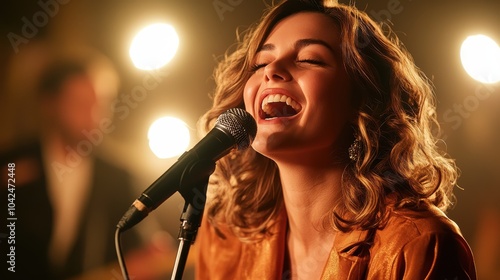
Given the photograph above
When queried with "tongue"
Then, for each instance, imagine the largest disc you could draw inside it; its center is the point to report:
(280, 109)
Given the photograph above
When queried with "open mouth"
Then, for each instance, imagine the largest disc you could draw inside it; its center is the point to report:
(278, 106)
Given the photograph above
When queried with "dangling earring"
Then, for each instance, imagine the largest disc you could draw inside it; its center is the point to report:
(355, 148)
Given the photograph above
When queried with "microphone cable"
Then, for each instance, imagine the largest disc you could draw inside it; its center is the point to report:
(119, 254)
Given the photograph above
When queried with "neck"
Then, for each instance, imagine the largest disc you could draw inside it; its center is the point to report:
(59, 145)
(310, 190)
(55, 142)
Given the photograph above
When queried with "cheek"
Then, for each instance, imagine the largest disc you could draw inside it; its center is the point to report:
(331, 101)
(249, 95)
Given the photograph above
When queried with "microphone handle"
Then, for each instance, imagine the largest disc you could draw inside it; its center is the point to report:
(191, 168)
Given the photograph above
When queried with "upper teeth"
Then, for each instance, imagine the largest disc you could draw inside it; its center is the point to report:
(279, 98)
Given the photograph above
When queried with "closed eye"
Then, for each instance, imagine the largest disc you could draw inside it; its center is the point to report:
(311, 61)
(257, 66)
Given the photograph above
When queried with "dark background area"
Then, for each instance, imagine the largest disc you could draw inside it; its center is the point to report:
(431, 30)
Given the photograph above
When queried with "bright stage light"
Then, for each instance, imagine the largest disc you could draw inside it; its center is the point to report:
(168, 137)
(480, 57)
(154, 46)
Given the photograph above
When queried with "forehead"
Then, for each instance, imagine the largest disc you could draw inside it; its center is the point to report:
(302, 25)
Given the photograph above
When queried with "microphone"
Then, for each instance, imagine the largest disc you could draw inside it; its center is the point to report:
(234, 128)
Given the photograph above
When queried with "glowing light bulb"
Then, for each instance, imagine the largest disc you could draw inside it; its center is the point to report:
(168, 137)
(480, 57)
(154, 46)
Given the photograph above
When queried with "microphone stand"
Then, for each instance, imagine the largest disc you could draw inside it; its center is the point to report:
(195, 198)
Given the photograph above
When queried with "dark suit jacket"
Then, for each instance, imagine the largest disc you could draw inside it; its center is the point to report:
(110, 196)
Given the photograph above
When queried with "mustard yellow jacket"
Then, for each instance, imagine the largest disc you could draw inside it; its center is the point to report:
(412, 245)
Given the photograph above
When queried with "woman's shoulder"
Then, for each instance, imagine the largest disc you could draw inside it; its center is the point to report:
(423, 243)
(417, 222)
(405, 227)
(222, 254)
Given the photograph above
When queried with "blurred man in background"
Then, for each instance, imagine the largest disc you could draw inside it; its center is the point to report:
(68, 198)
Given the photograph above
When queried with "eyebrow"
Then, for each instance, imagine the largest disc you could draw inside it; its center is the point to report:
(299, 44)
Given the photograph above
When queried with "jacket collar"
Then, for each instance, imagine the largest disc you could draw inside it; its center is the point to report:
(349, 255)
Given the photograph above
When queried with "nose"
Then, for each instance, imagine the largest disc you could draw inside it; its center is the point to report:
(276, 71)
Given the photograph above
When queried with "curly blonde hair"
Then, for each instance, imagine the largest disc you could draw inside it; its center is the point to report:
(395, 121)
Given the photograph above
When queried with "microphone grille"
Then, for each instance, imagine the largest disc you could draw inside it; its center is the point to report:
(240, 124)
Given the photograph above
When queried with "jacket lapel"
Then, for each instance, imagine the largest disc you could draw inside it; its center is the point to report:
(349, 256)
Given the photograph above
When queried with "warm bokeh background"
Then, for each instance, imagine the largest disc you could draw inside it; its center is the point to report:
(431, 30)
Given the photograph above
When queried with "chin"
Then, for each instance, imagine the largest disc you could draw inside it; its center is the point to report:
(271, 145)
